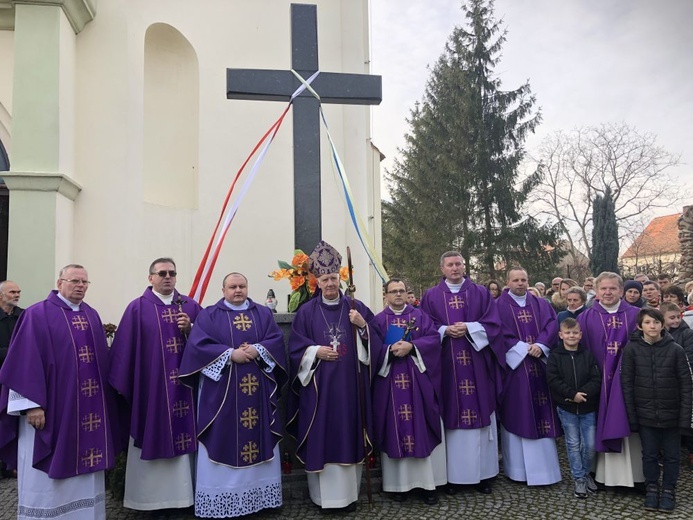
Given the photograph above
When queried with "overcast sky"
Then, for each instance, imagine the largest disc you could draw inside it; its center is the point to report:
(588, 62)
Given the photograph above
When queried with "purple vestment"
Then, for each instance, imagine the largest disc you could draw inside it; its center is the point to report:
(238, 420)
(606, 335)
(324, 416)
(58, 358)
(145, 356)
(526, 407)
(407, 422)
(471, 379)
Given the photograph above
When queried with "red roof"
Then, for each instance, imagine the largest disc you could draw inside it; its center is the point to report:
(661, 236)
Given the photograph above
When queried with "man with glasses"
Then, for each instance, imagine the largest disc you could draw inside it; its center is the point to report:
(467, 321)
(57, 409)
(407, 426)
(145, 357)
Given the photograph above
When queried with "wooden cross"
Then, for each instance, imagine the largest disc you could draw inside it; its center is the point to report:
(170, 315)
(544, 427)
(181, 409)
(467, 387)
(249, 418)
(250, 452)
(524, 316)
(249, 384)
(405, 412)
(80, 323)
(90, 388)
(91, 457)
(91, 422)
(612, 347)
(242, 322)
(399, 322)
(456, 302)
(534, 370)
(174, 345)
(408, 444)
(173, 376)
(468, 416)
(614, 322)
(463, 358)
(541, 398)
(402, 381)
(86, 355)
(183, 440)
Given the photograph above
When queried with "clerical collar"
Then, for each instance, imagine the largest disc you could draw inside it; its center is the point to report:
(331, 302)
(520, 300)
(611, 308)
(454, 287)
(165, 298)
(243, 306)
(73, 306)
(397, 312)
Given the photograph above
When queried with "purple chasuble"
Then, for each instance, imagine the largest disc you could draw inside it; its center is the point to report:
(145, 356)
(325, 416)
(238, 421)
(606, 335)
(527, 409)
(407, 422)
(58, 359)
(471, 379)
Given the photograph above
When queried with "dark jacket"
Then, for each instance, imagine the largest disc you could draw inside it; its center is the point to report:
(656, 381)
(7, 323)
(683, 335)
(570, 314)
(569, 372)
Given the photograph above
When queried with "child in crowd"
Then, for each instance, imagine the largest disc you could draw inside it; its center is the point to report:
(574, 381)
(658, 393)
(674, 294)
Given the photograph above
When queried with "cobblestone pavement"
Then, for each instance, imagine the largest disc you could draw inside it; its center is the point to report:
(509, 501)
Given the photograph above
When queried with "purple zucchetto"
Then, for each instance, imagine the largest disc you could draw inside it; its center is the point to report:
(324, 259)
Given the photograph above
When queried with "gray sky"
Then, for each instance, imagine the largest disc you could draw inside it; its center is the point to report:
(588, 62)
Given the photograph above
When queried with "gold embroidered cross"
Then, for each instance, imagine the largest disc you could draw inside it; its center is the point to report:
(181, 409)
(91, 457)
(174, 345)
(86, 355)
(80, 323)
(249, 418)
(463, 358)
(614, 323)
(402, 381)
(468, 416)
(173, 376)
(242, 322)
(399, 322)
(467, 387)
(524, 316)
(91, 422)
(544, 427)
(529, 339)
(169, 315)
(90, 388)
(249, 384)
(541, 398)
(405, 412)
(456, 302)
(534, 370)
(408, 444)
(612, 347)
(183, 440)
(249, 452)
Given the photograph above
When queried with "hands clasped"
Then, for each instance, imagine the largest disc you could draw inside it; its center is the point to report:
(401, 348)
(456, 330)
(244, 354)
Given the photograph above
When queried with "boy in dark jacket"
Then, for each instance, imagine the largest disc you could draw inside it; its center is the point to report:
(657, 390)
(574, 381)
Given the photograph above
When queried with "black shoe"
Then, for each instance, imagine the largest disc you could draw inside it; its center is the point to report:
(450, 489)
(484, 487)
(430, 498)
(398, 497)
(351, 508)
(667, 502)
(652, 498)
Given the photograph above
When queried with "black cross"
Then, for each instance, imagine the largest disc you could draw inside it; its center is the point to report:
(279, 85)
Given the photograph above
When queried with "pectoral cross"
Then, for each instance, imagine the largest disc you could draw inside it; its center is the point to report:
(402, 381)
(334, 343)
(614, 323)
(612, 347)
(91, 457)
(91, 422)
(463, 358)
(242, 322)
(524, 316)
(408, 444)
(467, 387)
(80, 323)
(405, 412)
(86, 355)
(174, 345)
(544, 427)
(183, 440)
(90, 388)
(456, 302)
(541, 398)
(249, 418)
(250, 452)
(181, 409)
(249, 384)
(468, 416)
(169, 315)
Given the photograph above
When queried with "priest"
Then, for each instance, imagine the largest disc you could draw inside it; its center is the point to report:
(145, 356)
(57, 411)
(406, 396)
(236, 359)
(330, 357)
(466, 318)
(528, 417)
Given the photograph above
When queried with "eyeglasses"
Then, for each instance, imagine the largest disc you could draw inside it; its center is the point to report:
(76, 282)
(163, 274)
(396, 291)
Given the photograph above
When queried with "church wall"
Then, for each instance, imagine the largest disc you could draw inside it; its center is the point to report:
(6, 80)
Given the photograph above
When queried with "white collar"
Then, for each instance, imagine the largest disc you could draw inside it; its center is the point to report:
(520, 300)
(243, 306)
(165, 298)
(73, 306)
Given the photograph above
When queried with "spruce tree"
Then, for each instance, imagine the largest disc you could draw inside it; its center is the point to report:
(604, 234)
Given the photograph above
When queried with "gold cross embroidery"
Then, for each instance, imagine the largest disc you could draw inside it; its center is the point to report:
(249, 418)
(169, 315)
(86, 355)
(524, 316)
(534, 370)
(468, 416)
(174, 345)
(463, 358)
(529, 339)
(402, 381)
(242, 322)
(173, 376)
(612, 347)
(467, 387)
(91, 457)
(249, 384)
(544, 427)
(408, 444)
(249, 452)
(399, 322)
(405, 412)
(541, 398)
(91, 422)
(90, 388)
(80, 323)
(181, 409)
(614, 323)
(456, 302)
(183, 440)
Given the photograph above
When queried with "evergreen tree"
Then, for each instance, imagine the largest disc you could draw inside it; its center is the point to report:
(457, 185)
(604, 234)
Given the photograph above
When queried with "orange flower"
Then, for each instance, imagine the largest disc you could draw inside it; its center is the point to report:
(279, 274)
(312, 283)
(344, 273)
(297, 281)
(300, 261)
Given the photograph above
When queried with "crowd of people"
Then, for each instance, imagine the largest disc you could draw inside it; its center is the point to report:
(437, 387)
